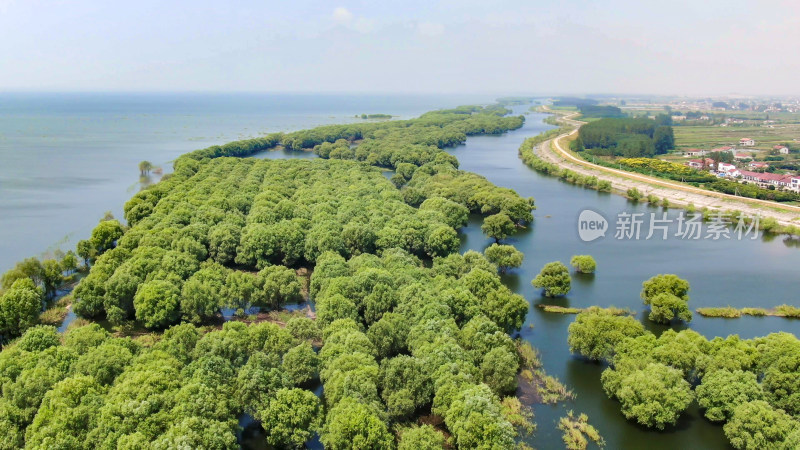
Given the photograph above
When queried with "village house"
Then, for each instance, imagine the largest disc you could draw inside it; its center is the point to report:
(757, 165)
(742, 156)
(708, 163)
(723, 149)
(795, 183)
(724, 167)
(694, 152)
(766, 178)
(747, 142)
(782, 149)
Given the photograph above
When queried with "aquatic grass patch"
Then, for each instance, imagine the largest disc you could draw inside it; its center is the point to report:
(545, 388)
(560, 309)
(576, 430)
(727, 312)
(787, 311)
(613, 310)
(55, 314)
(730, 312)
(755, 311)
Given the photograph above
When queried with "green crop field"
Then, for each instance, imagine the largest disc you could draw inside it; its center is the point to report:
(716, 136)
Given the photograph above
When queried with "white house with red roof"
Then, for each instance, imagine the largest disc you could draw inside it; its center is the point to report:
(766, 178)
(742, 156)
(782, 149)
(747, 142)
(724, 167)
(757, 165)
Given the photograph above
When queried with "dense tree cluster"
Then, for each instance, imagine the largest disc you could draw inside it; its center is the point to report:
(591, 111)
(626, 137)
(400, 338)
(193, 234)
(750, 385)
(92, 390)
(27, 287)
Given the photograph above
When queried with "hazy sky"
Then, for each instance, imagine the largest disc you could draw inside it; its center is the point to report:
(692, 47)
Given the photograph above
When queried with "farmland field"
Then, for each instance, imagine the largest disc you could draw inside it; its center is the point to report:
(716, 136)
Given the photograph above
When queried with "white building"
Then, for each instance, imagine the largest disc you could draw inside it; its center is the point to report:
(795, 183)
(692, 152)
(725, 167)
(747, 142)
(782, 149)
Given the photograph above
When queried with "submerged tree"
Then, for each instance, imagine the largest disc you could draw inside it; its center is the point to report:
(668, 298)
(504, 256)
(583, 263)
(554, 279)
(498, 226)
(145, 167)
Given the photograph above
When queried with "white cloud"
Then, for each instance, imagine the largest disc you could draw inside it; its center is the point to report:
(342, 16)
(430, 29)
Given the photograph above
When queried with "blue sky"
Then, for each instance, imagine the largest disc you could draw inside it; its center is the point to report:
(678, 47)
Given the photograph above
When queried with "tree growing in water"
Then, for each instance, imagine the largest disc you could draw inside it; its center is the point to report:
(145, 167)
(668, 298)
(583, 263)
(504, 256)
(554, 279)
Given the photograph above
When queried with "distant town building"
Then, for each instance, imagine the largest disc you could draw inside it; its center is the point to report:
(782, 149)
(693, 152)
(757, 165)
(742, 156)
(747, 142)
(701, 163)
(723, 149)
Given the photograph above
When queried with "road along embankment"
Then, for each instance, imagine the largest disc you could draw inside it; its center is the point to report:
(555, 151)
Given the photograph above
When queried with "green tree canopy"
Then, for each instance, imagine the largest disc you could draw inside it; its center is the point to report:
(19, 307)
(583, 263)
(498, 226)
(291, 417)
(595, 333)
(757, 425)
(723, 391)
(654, 396)
(554, 279)
(504, 256)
